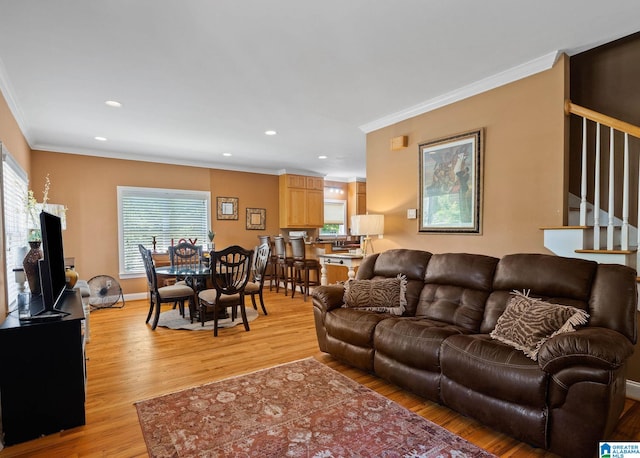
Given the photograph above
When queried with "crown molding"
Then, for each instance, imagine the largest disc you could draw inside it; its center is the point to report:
(154, 159)
(518, 72)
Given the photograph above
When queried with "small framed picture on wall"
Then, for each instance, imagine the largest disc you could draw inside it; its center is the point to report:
(227, 207)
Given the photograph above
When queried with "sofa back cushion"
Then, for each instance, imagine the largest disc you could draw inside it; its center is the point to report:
(456, 289)
(410, 263)
(551, 278)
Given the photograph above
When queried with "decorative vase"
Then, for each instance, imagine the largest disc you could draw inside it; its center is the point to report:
(71, 276)
(31, 268)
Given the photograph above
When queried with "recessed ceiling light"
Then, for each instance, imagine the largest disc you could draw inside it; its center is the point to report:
(227, 154)
(113, 103)
(270, 132)
(101, 139)
(322, 157)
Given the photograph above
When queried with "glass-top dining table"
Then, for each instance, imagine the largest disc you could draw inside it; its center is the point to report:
(195, 276)
(196, 271)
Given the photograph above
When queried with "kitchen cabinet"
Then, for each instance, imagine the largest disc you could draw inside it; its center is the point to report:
(356, 199)
(301, 201)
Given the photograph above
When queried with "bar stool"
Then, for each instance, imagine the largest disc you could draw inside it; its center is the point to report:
(302, 264)
(284, 264)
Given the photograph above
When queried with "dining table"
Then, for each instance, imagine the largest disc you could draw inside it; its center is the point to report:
(195, 275)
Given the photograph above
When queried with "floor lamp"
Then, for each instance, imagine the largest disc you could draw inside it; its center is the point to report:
(365, 226)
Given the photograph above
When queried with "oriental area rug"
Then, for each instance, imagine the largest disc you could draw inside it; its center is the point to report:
(299, 409)
(173, 320)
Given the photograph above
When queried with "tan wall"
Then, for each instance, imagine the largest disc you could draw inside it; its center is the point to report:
(524, 157)
(87, 186)
(253, 190)
(11, 136)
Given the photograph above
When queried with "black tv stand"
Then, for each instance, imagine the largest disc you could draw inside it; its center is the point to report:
(42, 381)
(45, 314)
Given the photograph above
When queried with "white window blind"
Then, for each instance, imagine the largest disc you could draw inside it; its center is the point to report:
(334, 212)
(166, 214)
(335, 215)
(14, 180)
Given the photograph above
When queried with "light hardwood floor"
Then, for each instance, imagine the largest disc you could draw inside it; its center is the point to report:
(128, 362)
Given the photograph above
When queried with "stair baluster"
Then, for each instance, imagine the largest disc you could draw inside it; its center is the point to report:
(596, 193)
(611, 208)
(618, 232)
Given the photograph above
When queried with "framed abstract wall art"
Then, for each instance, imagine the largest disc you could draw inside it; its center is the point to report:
(227, 207)
(256, 219)
(451, 183)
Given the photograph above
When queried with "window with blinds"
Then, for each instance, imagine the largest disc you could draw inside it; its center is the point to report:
(14, 180)
(335, 215)
(166, 214)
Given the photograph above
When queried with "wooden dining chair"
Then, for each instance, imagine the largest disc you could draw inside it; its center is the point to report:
(230, 273)
(261, 259)
(161, 295)
(185, 254)
(270, 273)
(188, 256)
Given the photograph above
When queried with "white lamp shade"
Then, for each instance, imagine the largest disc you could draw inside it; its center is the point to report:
(367, 225)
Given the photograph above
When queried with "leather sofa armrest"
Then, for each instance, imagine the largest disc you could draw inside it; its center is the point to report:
(328, 297)
(595, 347)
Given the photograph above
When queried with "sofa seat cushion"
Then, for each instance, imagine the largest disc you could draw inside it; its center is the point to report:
(354, 327)
(413, 342)
(487, 366)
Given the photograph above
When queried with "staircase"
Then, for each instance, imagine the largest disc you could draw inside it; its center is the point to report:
(595, 233)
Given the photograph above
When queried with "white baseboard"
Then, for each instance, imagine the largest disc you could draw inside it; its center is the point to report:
(136, 296)
(633, 390)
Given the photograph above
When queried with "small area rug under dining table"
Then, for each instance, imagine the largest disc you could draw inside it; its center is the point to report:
(299, 409)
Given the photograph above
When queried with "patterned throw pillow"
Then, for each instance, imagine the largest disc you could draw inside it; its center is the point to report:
(384, 295)
(527, 323)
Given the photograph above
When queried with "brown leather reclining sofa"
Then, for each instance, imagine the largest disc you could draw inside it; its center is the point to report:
(440, 347)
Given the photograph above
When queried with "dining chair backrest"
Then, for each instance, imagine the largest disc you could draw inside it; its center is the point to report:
(260, 262)
(280, 247)
(149, 268)
(297, 248)
(185, 254)
(232, 269)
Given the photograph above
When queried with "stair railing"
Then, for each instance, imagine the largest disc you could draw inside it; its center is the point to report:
(613, 125)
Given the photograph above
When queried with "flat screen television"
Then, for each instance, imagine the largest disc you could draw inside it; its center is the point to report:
(52, 271)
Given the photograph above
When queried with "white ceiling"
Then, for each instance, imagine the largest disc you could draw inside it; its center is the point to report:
(199, 78)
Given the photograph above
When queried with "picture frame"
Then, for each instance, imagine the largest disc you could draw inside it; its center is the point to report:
(256, 219)
(451, 184)
(227, 208)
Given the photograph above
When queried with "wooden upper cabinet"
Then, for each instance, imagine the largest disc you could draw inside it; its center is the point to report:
(316, 183)
(356, 199)
(315, 208)
(301, 201)
(296, 181)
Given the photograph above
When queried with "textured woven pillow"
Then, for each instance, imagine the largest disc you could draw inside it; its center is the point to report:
(527, 323)
(385, 295)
